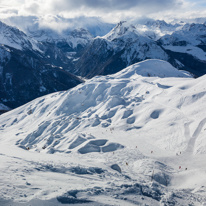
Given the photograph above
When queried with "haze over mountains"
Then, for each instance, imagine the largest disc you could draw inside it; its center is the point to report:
(61, 55)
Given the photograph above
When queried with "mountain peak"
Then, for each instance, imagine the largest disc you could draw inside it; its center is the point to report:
(156, 23)
(124, 24)
(120, 29)
(121, 23)
(81, 33)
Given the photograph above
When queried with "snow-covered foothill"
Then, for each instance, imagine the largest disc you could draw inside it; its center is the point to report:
(152, 68)
(122, 139)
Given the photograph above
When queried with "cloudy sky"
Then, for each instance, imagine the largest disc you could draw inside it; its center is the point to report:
(112, 11)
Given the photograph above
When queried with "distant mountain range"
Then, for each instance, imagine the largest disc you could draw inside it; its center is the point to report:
(183, 45)
(29, 68)
(42, 61)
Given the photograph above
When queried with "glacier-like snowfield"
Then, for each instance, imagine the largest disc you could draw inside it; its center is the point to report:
(133, 138)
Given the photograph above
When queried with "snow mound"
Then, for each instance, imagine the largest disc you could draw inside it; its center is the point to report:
(152, 68)
(62, 121)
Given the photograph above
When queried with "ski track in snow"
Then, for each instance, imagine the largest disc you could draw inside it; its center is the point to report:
(191, 143)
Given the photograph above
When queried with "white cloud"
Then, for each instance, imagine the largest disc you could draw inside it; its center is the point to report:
(91, 7)
(52, 13)
(30, 8)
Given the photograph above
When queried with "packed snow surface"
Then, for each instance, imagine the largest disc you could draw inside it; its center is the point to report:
(124, 139)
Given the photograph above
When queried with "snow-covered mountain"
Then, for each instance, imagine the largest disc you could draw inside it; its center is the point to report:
(187, 46)
(29, 68)
(76, 51)
(68, 41)
(193, 34)
(123, 139)
(121, 47)
(13, 37)
(157, 29)
(183, 45)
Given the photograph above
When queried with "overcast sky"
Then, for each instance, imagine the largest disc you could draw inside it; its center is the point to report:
(109, 10)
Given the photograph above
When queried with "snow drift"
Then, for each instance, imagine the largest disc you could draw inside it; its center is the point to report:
(133, 137)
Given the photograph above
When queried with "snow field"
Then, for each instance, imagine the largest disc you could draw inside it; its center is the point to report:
(123, 139)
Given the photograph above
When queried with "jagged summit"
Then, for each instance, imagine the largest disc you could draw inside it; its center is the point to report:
(81, 33)
(156, 23)
(121, 29)
(195, 29)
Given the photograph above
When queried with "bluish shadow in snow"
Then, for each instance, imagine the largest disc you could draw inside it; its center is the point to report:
(131, 128)
(155, 114)
(163, 86)
(71, 198)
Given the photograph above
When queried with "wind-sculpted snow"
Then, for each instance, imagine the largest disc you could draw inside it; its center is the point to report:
(124, 139)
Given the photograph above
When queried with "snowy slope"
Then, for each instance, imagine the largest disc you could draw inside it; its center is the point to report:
(13, 37)
(123, 139)
(152, 68)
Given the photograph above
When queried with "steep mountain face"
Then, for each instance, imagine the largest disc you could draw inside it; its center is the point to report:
(28, 68)
(187, 46)
(46, 48)
(121, 47)
(183, 45)
(15, 38)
